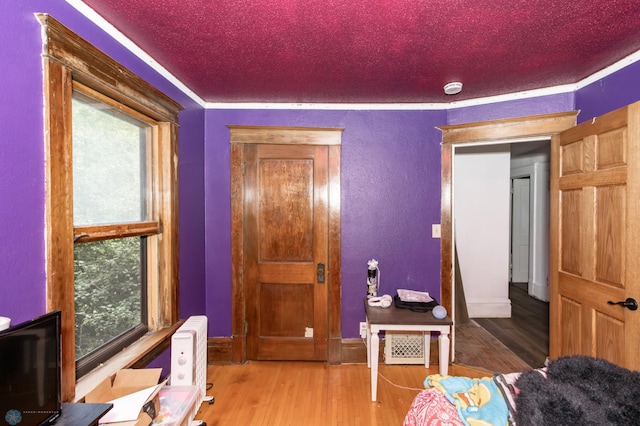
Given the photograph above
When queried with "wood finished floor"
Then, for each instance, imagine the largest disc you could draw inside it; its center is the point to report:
(526, 333)
(283, 393)
(263, 393)
(476, 347)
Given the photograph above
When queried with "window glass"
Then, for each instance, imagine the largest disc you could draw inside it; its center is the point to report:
(108, 164)
(108, 291)
(110, 177)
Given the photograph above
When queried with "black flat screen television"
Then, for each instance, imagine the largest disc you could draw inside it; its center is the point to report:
(30, 359)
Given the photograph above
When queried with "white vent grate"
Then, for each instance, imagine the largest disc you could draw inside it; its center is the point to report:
(190, 340)
(403, 348)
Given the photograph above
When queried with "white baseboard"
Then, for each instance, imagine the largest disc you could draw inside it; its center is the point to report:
(489, 308)
(540, 291)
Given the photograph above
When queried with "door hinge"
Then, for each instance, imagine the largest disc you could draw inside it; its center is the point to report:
(244, 163)
(246, 328)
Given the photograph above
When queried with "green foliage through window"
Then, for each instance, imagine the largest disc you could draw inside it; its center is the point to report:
(110, 180)
(107, 291)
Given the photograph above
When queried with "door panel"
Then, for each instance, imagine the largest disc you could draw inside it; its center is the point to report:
(610, 221)
(285, 196)
(594, 252)
(571, 247)
(286, 222)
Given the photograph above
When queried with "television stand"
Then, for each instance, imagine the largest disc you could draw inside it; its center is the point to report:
(81, 414)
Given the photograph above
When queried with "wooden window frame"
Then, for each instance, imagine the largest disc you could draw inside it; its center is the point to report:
(70, 60)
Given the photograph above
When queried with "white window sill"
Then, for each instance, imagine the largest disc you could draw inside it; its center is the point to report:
(125, 359)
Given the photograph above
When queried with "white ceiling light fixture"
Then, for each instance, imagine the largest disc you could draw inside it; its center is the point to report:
(453, 88)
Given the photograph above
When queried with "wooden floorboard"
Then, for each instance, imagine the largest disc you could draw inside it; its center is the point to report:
(476, 347)
(274, 393)
(526, 333)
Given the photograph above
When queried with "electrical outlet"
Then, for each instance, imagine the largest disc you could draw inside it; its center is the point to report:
(435, 230)
(363, 329)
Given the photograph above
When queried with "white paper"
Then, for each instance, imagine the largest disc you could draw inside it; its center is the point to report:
(127, 408)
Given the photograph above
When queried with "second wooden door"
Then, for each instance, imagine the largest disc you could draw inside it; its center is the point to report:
(286, 251)
(594, 243)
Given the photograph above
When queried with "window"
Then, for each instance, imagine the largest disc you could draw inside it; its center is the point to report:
(112, 225)
(112, 153)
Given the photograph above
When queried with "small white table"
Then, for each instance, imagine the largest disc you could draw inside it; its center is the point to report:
(396, 319)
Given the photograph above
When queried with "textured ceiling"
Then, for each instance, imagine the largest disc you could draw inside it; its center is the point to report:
(359, 51)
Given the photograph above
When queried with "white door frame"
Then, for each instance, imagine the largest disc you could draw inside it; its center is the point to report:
(520, 229)
(538, 173)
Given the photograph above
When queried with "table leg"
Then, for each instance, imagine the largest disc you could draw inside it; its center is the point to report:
(374, 348)
(443, 346)
(427, 348)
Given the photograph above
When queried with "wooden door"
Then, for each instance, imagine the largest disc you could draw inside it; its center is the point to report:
(594, 244)
(286, 249)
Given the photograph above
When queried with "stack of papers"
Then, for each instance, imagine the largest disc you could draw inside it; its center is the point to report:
(127, 408)
(414, 296)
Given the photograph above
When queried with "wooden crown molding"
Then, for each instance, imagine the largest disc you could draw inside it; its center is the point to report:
(94, 68)
(285, 135)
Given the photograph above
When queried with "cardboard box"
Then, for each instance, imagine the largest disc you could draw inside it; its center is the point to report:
(134, 394)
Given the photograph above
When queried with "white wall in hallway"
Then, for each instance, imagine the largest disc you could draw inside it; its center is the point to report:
(481, 198)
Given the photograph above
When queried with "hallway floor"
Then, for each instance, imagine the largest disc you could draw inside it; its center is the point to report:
(526, 333)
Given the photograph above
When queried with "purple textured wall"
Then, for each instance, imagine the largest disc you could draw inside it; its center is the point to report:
(390, 196)
(510, 109)
(609, 93)
(22, 286)
(22, 161)
(192, 219)
(390, 176)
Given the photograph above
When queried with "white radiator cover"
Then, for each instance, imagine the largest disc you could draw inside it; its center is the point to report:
(189, 355)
